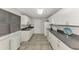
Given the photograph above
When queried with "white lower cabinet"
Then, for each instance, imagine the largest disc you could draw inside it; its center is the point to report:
(4, 44)
(26, 35)
(52, 40)
(15, 40)
(10, 41)
(14, 43)
(56, 43)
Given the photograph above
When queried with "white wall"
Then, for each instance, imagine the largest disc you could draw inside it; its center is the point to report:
(25, 20)
(67, 16)
(38, 25)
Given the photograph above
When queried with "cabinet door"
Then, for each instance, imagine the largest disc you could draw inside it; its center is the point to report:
(24, 20)
(25, 35)
(15, 40)
(15, 43)
(54, 42)
(48, 36)
(14, 23)
(4, 44)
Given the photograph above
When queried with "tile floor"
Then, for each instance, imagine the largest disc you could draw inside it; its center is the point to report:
(37, 42)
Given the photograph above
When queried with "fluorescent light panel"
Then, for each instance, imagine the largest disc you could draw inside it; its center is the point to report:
(40, 11)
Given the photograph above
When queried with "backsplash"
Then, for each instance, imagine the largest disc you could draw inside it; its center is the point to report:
(23, 26)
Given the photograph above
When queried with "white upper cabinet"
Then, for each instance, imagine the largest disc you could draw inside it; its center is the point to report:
(52, 21)
(66, 16)
(24, 20)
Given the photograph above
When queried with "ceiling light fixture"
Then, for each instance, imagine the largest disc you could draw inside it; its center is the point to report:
(40, 11)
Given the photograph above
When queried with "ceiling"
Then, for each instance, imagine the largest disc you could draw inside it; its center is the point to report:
(32, 12)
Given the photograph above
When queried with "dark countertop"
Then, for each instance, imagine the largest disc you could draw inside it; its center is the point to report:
(27, 28)
(72, 41)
